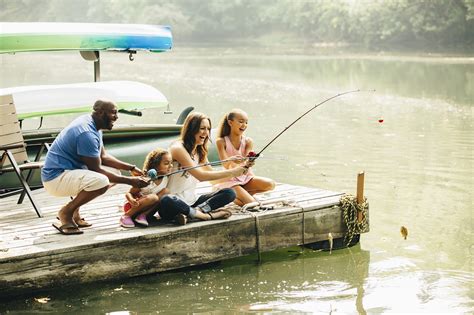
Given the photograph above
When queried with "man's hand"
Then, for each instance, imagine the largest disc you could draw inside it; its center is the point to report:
(135, 171)
(138, 182)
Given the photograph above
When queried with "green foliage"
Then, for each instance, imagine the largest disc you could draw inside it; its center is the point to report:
(368, 23)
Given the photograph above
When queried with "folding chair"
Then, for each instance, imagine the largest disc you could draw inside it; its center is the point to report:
(13, 150)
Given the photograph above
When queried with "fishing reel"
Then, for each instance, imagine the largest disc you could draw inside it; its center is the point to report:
(252, 156)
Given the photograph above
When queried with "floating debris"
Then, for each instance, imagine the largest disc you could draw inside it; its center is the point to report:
(330, 239)
(404, 232)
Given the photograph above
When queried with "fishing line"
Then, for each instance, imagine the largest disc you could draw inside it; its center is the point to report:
(252, 155)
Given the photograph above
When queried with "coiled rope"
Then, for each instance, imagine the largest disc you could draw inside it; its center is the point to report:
(350, 208)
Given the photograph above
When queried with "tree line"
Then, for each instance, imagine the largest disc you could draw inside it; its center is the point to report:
(372, 24)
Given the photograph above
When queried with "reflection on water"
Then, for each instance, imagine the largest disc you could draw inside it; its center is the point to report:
(345, 281)
(313, 281)
(418, 165)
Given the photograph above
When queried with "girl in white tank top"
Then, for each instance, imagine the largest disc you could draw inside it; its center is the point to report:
(143, 201)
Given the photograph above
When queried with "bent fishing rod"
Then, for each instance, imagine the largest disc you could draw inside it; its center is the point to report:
(253, 156)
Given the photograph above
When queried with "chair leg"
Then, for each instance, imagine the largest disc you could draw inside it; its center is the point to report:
(30, 172)
(23, 193)
(23, 182)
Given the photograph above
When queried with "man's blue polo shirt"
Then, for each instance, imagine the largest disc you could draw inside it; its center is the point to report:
(80, 138)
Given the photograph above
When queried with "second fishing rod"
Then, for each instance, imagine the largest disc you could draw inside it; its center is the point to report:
(154, 175)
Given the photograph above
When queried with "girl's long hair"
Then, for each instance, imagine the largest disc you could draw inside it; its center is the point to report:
(191, 127)
(153, 159)
(224, 127)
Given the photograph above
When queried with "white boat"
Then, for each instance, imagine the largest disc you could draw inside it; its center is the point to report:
(89, 39)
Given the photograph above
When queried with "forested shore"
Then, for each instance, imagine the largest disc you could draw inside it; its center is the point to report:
(429, 25)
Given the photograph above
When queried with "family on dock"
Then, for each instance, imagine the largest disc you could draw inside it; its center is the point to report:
(77, 165)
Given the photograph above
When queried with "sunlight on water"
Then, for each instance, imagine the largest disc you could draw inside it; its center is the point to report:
(418, 162)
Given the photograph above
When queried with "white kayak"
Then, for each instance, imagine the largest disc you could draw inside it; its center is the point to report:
(44, 100)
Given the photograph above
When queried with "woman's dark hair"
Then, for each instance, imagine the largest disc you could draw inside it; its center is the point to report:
(191, 127)
(153, 158)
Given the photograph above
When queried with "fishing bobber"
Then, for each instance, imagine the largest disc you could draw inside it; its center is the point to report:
(152, 173)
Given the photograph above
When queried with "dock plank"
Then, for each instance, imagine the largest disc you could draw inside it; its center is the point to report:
(33, 255)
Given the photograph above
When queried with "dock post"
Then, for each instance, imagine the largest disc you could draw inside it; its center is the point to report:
(360, 193)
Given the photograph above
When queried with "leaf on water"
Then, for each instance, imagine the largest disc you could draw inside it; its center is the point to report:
(42, 300)
(404, 232)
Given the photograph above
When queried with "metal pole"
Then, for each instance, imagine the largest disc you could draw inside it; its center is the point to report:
(97, 68)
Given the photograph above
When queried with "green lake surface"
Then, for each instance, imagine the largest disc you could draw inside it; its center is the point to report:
(418, 167)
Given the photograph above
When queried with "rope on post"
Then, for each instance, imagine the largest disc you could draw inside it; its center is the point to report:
(350, 213)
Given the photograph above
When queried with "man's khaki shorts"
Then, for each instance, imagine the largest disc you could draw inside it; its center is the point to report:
(72, 182)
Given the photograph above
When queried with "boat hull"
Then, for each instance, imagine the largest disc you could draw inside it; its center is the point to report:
(24, 37)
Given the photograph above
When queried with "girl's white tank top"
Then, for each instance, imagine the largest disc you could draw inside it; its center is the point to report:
(153, 188)
(183, 185)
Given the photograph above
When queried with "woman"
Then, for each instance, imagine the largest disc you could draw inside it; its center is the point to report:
(189, 151)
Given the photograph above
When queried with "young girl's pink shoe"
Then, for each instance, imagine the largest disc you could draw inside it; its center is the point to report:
(141, 218)
(126, 221)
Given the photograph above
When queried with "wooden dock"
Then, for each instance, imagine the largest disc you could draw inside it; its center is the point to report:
(35, 257)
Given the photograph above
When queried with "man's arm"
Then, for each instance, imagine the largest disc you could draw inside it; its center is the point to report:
(94, 164)
(111, 161)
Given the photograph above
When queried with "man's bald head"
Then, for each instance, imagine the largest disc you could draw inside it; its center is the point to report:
(104, 113)
(103, 105)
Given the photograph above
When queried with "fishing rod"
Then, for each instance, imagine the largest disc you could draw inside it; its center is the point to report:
(154, 175)
(253, 156)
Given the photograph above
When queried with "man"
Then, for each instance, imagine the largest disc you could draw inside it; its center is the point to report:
(78, 165)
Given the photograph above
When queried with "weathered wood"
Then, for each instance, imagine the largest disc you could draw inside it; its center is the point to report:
(360, 194)
(33, 256)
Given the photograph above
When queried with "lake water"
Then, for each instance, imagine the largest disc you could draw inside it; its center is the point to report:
(418, 164)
